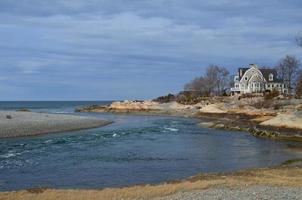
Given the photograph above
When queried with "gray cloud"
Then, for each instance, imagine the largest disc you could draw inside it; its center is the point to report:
(121, 45)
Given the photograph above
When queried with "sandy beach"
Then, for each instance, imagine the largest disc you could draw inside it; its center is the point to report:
(17, 123)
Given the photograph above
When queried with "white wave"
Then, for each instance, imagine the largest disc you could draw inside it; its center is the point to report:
(171, 129)
(9, 155)
(114, 135)
(62, 112)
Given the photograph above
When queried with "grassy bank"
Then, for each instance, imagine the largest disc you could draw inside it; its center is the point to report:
(288, 174)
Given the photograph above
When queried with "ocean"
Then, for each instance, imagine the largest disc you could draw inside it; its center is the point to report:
(135, 149)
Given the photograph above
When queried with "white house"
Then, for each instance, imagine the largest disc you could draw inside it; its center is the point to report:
(254, 80)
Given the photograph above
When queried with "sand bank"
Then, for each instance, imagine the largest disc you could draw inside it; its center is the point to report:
(289, 120)
(144, 107)
(15, 124)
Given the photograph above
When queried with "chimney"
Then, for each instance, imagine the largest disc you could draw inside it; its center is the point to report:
(253, 65)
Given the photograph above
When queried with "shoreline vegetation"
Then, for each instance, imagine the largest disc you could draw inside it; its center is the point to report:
(277, 118)
(286, 176)
(25, 123)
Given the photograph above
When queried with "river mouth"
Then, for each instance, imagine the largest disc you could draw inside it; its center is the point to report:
(133, 150)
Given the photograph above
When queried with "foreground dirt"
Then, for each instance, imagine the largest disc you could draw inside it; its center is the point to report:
(288, 176)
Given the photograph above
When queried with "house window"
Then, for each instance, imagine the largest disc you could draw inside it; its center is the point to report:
(271, 77)
(268, 85)
(245, 78)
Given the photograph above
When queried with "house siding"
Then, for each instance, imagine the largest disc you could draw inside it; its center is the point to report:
(256, 80)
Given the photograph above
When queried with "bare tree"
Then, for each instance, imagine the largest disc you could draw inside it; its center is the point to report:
(199, 84)
(230, 82)
(195, 85)
(215, 81)
(212, 78)
(299, 40)
(223, 79)
(281, 70)
(298, 88)
(288, 69)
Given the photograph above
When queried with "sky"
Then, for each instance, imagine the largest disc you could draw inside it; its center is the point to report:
(135, 49)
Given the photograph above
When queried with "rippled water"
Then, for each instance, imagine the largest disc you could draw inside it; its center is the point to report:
(133, 150)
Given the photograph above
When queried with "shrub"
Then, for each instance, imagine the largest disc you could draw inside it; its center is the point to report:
(165, 99)
(271, 95)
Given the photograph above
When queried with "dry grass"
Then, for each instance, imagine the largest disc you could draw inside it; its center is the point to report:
(281, 176)
(263, 118)
(251, 112)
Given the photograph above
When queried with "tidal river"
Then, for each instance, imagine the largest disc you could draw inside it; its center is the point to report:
(133, 150)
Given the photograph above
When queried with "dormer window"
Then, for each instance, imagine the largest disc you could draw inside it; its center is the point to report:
(271, 77)
(245, 78)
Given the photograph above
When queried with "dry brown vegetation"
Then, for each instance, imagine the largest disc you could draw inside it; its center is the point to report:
(280, 176)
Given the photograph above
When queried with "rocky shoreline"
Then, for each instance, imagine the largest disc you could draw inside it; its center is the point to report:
(242, 122)
(213, 115)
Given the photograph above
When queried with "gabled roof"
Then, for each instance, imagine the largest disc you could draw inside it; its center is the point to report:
(265, 72)
(243, 70)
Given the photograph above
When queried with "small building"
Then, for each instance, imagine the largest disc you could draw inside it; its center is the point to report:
(257, 80)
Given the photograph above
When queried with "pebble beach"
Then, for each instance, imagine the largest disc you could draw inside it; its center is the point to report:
(18, 124)
(247, 192)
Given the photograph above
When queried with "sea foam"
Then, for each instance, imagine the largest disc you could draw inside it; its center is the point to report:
(171, 129)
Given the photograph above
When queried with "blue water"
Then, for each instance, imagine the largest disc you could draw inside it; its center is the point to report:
(48, 106)
(133, 150)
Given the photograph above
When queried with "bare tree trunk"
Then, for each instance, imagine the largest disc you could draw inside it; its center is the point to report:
(299, 40)
(289, 66)
(299, 86)
(214, 80)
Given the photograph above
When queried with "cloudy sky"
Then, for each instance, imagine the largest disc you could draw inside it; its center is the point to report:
(134, 49)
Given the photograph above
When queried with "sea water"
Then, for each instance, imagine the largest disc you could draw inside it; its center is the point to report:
(135, 149)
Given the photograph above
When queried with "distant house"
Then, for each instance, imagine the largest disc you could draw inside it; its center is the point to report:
(254, 80)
